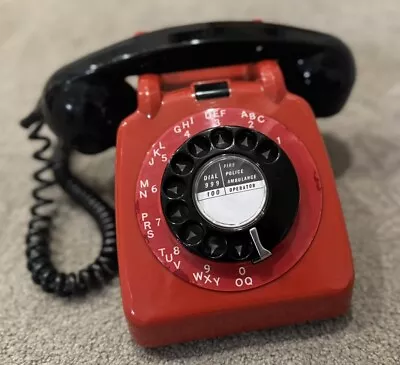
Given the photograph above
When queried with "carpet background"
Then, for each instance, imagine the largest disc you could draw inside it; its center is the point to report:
(37, 37)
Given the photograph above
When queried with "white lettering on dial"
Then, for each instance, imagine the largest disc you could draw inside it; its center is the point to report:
(147, 225)
(171, 257)
(215, 115)
(205, 276)
(252, 118)
(239, 282)
(184, 127)
(157, 153)
(145, 187)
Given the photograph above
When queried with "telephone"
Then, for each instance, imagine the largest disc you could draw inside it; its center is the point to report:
(227, 217)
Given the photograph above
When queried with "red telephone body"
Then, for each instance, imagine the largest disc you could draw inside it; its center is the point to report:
(169, 294)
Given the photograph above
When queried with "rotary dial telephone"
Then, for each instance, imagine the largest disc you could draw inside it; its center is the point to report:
(227, 217)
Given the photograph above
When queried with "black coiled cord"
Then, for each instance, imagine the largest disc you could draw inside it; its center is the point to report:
(105, 266)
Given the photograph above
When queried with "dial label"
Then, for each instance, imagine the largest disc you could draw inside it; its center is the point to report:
(230, 191)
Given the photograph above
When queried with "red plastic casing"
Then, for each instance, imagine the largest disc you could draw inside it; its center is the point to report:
(159, 306)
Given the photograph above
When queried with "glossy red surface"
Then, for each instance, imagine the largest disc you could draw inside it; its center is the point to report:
(161, 308)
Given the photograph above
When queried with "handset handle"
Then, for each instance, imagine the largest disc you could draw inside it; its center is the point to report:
(317, 66)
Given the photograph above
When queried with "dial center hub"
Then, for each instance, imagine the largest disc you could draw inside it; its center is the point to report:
(230, 191)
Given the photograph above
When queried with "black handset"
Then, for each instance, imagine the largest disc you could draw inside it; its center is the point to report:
(84, 102)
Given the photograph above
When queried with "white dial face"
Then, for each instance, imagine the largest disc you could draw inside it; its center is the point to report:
(230, 191)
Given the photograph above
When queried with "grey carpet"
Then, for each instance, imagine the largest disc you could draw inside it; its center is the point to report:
(36, 37)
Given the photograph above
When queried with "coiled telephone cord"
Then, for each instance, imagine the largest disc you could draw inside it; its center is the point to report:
(38, 237)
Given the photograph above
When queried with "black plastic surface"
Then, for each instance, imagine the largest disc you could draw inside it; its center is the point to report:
(316, 66)
(211, 90)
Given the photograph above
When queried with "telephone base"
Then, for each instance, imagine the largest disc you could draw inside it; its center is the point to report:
(170, 295)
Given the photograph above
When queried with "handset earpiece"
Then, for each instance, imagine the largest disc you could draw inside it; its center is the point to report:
(323, 80)
(86, 114)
